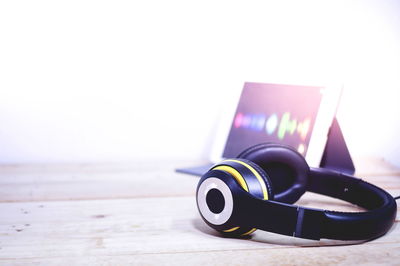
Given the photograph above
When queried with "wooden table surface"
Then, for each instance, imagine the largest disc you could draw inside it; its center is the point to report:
(145, 214)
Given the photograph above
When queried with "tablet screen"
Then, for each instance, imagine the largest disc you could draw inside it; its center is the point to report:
(274, 113)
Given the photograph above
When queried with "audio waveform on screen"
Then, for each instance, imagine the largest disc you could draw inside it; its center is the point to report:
(273, 124)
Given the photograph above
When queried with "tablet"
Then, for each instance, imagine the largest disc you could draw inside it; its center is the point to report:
(296, 115)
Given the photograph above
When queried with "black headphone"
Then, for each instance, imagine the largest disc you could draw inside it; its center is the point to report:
(256, 190)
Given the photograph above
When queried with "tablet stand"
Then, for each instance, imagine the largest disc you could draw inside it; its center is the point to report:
(336, 155)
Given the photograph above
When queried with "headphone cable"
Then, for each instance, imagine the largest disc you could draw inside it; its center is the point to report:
(396, 198)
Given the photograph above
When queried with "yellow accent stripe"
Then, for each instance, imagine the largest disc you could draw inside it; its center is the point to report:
(249, 232)
(232, 229)
(259, 178)
(235, 174)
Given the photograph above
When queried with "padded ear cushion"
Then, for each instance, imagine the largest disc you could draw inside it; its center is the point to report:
(286, 168)
(264, 176)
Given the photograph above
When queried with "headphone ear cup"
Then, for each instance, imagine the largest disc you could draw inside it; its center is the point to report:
(251, 178)
(286, 168)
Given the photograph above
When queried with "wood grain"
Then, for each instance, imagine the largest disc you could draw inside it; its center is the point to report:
(137, 214)
(130, 180)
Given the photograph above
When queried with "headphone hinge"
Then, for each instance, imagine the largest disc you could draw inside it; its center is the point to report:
(309, 223)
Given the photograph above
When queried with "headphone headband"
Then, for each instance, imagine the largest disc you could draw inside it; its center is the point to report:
(373, 223)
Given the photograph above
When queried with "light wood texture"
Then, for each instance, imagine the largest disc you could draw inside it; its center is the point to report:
(145, 214)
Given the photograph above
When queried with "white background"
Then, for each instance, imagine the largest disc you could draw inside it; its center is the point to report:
(88, 81)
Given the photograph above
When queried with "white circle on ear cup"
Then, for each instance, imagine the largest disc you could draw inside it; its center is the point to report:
(205, 187)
